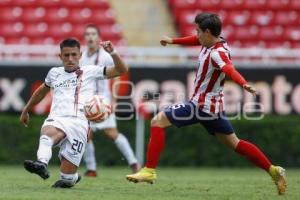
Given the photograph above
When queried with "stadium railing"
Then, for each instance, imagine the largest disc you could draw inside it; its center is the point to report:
(164, 56)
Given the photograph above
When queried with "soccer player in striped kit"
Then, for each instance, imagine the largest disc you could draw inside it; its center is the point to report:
(95, 55)
(206, 105)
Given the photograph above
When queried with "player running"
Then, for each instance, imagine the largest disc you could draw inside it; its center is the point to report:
(95, 55)
(66, 125)
(206, 105)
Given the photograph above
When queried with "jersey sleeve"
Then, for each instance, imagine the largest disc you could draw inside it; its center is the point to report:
(49, 78)
(220, 58)
(98, 71)
(188, 40)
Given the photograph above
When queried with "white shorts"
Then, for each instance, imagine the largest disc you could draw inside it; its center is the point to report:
(110, 122)
(73, 145)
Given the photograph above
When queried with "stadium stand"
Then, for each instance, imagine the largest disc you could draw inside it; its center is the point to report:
(247, 23)
(50, 21)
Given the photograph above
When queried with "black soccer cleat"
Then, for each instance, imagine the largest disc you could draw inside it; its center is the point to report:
(62, 184)
(37, 167)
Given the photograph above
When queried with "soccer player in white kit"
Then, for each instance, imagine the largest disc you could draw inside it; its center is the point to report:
(66, 125)
(95, 55)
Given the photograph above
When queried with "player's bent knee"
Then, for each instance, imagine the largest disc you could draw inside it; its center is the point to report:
(112, 133)
(230, 140)
(160, 120)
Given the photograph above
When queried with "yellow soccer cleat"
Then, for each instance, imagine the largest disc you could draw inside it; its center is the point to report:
(278, 175)
(147, 175)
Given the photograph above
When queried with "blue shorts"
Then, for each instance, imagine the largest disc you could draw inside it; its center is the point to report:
(187, 113)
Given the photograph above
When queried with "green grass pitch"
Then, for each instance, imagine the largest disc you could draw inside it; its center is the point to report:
(172, 184)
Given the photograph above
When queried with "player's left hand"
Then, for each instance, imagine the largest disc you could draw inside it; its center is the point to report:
(24, 118)
(107, 46)
(250, 89)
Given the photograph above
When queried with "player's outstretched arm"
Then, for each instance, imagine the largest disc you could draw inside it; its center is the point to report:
(37, 96)
(119, 66)
(230, 71)
(189, 40)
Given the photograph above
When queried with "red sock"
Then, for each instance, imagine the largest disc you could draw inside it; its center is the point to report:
(252, 153)
(155, 146)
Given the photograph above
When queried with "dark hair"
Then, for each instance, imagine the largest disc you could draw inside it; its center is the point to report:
(94, 26)
(70, 42)
(209, 21)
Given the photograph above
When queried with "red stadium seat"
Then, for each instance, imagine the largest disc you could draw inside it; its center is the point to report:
(295, 45)
(60, 30)
(97, 3)
(33, 14)
(287, 18)
(204, 4)
(292, 33)
(231, 4)
(48, 3)
(42, 40)
(11, 29)
(111, 32)
(49, 21)
(245, 33)
(36, 30)
(271, 22)
(254, 4)
(295, 4)
(277, 4)
(7, 3)
(262, 18)
(238, 18)
(271, 33)
(80, 15)
(188, 30)
(103, 17)
(73, 3)
(11, 14)
(183, 4)
(17, 40)
(56, 15)
(186, 17)
(24, 3)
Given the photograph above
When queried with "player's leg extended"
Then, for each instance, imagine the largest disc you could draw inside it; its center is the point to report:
(89, 157)
(257, 157)
(68, 175)
(155, 147)
(50, 135)
(124, 147)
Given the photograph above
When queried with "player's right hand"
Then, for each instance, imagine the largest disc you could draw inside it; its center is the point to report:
(24, 118)
(107, 46)
(250, 89)
(166, 40)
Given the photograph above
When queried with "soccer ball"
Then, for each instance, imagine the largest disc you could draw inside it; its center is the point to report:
(97, 109)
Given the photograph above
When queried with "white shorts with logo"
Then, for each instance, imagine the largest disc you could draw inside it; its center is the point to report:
(73, 145)
(110, 122)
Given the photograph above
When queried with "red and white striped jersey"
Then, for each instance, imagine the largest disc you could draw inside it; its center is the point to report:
(209, 81)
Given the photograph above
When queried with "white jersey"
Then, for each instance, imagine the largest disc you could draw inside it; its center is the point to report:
(102, 58)
(72, 89)
(209, 81)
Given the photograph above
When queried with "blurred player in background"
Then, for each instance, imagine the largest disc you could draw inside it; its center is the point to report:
(206, 104)
(66, 125)
(95, 55)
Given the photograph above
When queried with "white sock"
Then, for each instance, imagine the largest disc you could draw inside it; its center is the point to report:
(69, 179)
(44, 152)
(125, 148)
(89, 156)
